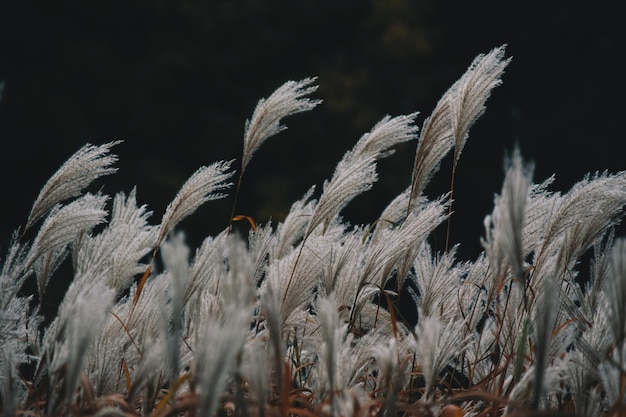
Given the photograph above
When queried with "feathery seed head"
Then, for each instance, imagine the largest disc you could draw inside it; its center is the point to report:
(266, 120)
(87, 164)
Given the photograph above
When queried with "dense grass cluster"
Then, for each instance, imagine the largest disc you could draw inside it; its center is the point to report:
(303, 318)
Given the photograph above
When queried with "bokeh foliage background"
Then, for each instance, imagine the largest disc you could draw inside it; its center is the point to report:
(176, 79)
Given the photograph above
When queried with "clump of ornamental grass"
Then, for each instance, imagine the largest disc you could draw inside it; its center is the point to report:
(301, 318)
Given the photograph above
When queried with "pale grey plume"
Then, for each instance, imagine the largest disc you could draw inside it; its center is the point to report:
(434, 143)
(352, 177)
(471, 92)
(388, 132)
(394, 214)
(18, 334)
(611, 377)
(591, 208)
(296, 275)
(87, 164)
(546, 315)
(539, 208)
(437, 343)
(332, 334)
(204, 185)
(615, 293)
(175, 255)
(598, 220)
(448, 126)
(392, 245)
(63, 226)
(436, 276)
(206, 268)
(117, 251)
(261, 248)
(268, 114)
(343, 267)
(79, 322)
(293, 228)
(9, 386)
(341, 358)
(581, 376)
(506, 223)
(356, 172)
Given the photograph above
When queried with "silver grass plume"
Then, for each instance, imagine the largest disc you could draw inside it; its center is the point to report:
(175, 254)
(401, 243)
(79, 322)
(599, 221)
(582, 216)
(387, 358)
(506, 223)
(296, 275)
(12, 274)
(356, 172)
(204, 185)
(19, 334)
(271, 315)
(342, 358)
(453, 116)
(19, 327)
(598, 337)
(149, 345)
(615, 294)
(292, 229)
(547, 309)
(437, 278)
(287, 100)
(63, 226)
(394, 214)
(149, 369)
(352, 177)
(438, 341)
(17, 323)
(218, 350)
(87, 164)
(102, 363)
(611, 375)
(343, 267)
(117, 251)
(346, 277)
(385, 134)
(257, 368)
(539, 207)
(582, 378)
(240, 289)
(10, 394)
(261, 249)
(599, 271)
(524, 390)
(471, 92)
(332, 335)
(202, 293)
(472, 298)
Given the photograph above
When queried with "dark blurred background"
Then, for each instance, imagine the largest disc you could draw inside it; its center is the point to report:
(176, 79)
